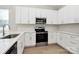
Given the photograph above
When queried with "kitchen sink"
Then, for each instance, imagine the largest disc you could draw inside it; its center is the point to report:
(10, 36)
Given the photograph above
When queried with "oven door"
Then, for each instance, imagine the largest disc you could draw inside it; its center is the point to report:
(41, 37)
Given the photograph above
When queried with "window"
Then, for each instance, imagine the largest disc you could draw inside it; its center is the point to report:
(4, 18)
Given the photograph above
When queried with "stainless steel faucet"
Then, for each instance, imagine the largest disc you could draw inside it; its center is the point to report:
(4, 28)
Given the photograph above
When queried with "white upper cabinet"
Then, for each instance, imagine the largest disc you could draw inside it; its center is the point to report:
(66, 15)
(54, 17)
(38, 13)
(32, 15)
(51, 17)
(25, 15)
(76, 13)
(22, 15)
(43, 13)
(69, 14)
(18, 15)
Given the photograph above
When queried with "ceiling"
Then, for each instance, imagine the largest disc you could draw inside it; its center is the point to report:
(53, 7)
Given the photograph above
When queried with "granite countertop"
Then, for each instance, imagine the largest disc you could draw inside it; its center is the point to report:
(5, 44)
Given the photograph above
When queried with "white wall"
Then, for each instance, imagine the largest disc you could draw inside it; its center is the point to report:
(51, 28)
(26, 28)
(74, 28)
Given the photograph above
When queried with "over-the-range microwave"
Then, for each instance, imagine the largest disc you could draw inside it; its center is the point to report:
(40, 20)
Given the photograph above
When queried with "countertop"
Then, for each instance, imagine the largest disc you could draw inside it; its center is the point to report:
(5, 44)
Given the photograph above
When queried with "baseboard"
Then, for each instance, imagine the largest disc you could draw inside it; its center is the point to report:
(51, 43)
(29, 46)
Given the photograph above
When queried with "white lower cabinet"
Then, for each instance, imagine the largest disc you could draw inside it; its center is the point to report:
(30, 39)
(20, 44)
(69, 42)
(60, 40)
(58, 37)
(51, 37)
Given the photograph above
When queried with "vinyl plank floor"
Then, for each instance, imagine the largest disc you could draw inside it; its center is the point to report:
(50, 49)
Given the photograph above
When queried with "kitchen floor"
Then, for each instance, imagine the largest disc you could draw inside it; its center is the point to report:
(50, 49)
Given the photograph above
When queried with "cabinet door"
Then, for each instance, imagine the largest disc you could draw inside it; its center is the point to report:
(60, 39)
(29, 39)
(25, 15)
(38, 13)
(51, 38)
(51, 17)
(63, 40)
(54, 17)
(67, 14)
(32, 16)
(20, 44)
(33, 39)
(43, 13)
(69, 42)
(60, 16)
(19, 51)
(18, 15)
(76, 14)
(72, 44)
(22, 15)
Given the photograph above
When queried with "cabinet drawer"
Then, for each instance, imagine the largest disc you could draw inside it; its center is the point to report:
(76, 38)
(71, 45)
(73, 42)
